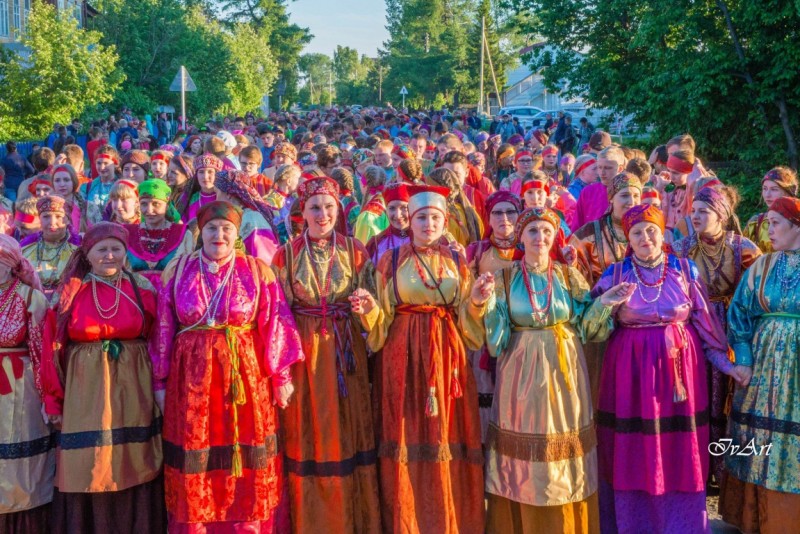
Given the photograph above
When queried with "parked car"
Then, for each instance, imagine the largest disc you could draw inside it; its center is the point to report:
(522, 113)
(538, 120)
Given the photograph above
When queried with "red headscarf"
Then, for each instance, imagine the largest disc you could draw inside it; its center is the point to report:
(11, 257)
(788, 207)
(642, 213)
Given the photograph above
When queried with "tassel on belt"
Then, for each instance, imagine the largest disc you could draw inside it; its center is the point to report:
(439, 312)
(343, 341)
(238, 396)
(562, 335)
(677, 341)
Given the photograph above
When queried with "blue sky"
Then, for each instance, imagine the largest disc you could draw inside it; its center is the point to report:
(359, 24)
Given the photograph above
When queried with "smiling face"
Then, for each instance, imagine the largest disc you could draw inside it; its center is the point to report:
(54, 225)
(105, 169)
(782, 233)
(538, 237)
(107, 256)
(206, 178)
(175, 176)
(154, 211)
(502, 218)
(646, 239)
(219, 237)
(624, 200)
(159, 169)
(397, 210)
(320, 212)
(427, 226)
(124, 209)
(550, 160)
(524, 165)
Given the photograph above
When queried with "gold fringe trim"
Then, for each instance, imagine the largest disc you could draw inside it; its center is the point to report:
(541, 448)
(430, 453)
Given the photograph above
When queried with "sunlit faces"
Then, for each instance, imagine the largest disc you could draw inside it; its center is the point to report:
(206, 178)
(105, 169)
(154, 211)
(418, 147)
(249, 165)
(219, 237)
(133, 172)
(502, 218)
(427, 225)
(460, 170)
(175, 175)
(159, 168)
(535, 198)
(550, 160)
(320, 212)
(705, 220)
(782, 233)
(382, 157)
(281, 159)
(770, 192)
(524, 165)
(43, 190)
(62, 184)
(124, 209)
(624, 200)
(589, 174)
(54, 225)
(397, 210)
(107, 256)
(396, 160)
(538, 237)
(677, 178)
(607, 169)
(196, 147)
(267, 139)
(646, 240)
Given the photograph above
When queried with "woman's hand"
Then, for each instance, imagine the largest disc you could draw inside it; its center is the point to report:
(55, 420)
(619, 294)
(570, 255)
(482, 289)
(742, 374)
(458, 247)
(283, 395)
(361, 301)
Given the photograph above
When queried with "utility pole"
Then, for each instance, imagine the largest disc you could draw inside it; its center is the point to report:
(311, 88)
(380, 83)
(483, 32)
(183, 100)
(494, 78)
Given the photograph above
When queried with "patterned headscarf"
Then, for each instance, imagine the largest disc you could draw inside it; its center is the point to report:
(362, 155)
(717, 201)
(402, 151)
(476, 159)
(783, 178)
(234, 184)
(137, 157)
(502, 196)
(788, 207)
(11, 257)
(219, 209)
(623, 180)
(642, 213)
(159, 190)
(287, 149)
(308, 159)
(51, 203)
(206, 161)
(317, 186)
(536, 214)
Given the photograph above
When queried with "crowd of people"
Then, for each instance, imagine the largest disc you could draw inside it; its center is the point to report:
(381, 321)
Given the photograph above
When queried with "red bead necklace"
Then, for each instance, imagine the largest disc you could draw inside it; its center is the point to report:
(538, 315)
(422, 276)
(323, 293)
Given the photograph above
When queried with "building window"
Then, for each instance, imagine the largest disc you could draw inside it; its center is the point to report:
(4, 17)
(17, 21)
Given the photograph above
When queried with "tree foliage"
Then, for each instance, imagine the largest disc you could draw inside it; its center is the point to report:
(58, 78)
(724, 70)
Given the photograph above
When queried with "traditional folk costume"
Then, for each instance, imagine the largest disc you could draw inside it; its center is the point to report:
(489, 256)
(428, 428)
(151, 250)
(391, 237)
(757, 228)
(592, 204)
(193, 197)
(762, 490)
(328, 427)
(677, 201)
(50, 259)
(109, 452)
(541, 458)
(652, 421)
(598, 245)
(27, 445)
(372, 219)
(259, 237)
(226, 341)
(721, 261)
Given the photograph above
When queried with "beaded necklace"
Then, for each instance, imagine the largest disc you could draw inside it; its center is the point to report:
(423, 278)
(538, 315)
(214, 299)
(110, 312)
(715, 255)
(788, 271)
(659, 284)
(323, 293)
(41, 246)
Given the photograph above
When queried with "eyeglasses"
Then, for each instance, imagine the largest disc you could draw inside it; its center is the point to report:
(507, 214)
(524, 160)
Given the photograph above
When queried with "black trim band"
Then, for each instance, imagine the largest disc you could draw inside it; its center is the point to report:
(220, 457)
(103, 438)
(27, 449)
(766, 423)
(343, 468)
(662, 425)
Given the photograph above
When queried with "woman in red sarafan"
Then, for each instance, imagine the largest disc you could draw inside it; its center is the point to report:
(226, 341)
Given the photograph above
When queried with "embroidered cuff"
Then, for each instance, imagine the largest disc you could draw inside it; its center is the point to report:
(743, 354)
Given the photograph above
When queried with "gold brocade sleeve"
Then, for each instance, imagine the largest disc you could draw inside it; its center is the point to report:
(378, 321)
(470, 317)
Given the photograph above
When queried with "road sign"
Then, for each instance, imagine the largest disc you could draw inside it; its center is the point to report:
(188, 83)
(404, 92)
